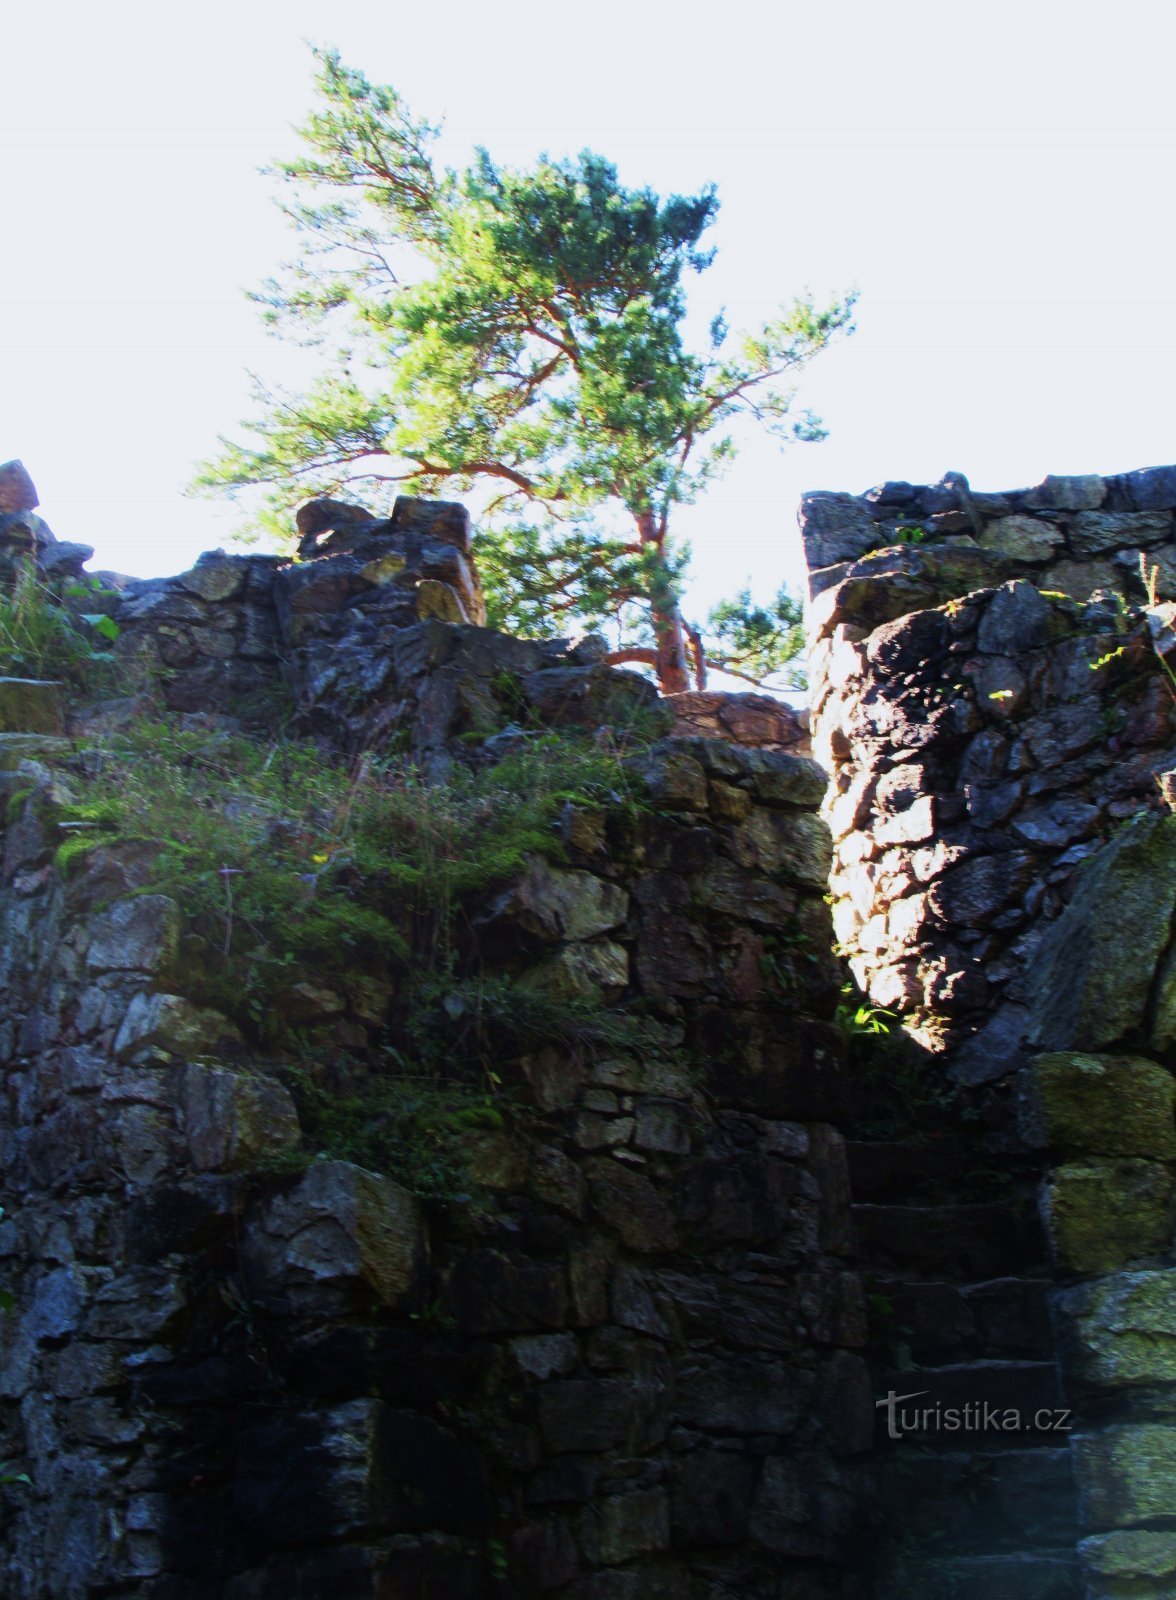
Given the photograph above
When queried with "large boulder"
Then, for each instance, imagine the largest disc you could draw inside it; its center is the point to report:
(1125, 1474)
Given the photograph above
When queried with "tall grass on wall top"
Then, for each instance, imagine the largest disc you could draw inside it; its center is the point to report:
(44, 636)
(289, 866)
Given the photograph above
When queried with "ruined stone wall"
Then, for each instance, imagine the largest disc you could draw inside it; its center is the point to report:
(990, 704)
(374, 638)
(991, 699)
(628, 1366)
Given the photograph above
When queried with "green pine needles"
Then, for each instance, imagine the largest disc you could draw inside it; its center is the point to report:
(521, 330)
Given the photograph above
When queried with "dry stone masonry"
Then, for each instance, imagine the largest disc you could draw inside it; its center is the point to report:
(639, 1359)
(991, 704)
(994, 704)
(629, 1365)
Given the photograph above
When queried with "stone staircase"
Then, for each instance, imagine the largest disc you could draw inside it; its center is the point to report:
(968, 1507)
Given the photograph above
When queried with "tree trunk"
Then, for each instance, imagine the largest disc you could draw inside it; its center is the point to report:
(673, 667)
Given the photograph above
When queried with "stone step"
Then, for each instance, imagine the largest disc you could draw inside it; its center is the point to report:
(966, 1243)
(981, 1504)
(939, 1323)
(978, 1405)
(1028, 1576)
(895, 1169)
(31, 705)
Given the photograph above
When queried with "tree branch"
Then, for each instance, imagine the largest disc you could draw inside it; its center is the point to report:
(698, 650)
(616, 658)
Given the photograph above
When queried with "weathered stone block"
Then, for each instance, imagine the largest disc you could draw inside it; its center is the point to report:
(1152, 488)
(836, 527)
(733, 892)
(139, 1306)
(1102, 1214)
(169, 1022)
(494, 1292)
(557, 1181)
(662, 1127)
(138, 934)
(215, 577)
(584, 971)
(545, 1355)
(339, 1230)
(1100, 1105)
(778, 778)
(29, 705)
(711, 1495)
(361, 1467)
(674, 779)
(601, 1414)
(556, 903)
(796, 847)
(803, 1509)
(1017, 618)
(623, 1526)
(1125, 1474)
(1095, 532)
(234, 1119)
(1080, 579)
(1022, 538)
(741, 1395)
(1081, 492)
(1121, 1331)
(631, 1205)
(1129, 1562)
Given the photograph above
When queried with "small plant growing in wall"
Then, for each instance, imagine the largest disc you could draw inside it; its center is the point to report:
(42, 637)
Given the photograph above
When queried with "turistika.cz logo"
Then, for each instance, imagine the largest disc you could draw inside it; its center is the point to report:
(975, 1416)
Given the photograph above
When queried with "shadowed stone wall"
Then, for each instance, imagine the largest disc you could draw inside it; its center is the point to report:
(992, 702)
(627, 1367)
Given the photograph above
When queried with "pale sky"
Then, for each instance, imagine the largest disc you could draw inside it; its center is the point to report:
(996, 180)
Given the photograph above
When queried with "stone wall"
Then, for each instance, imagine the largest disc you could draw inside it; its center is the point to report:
(628, 1366)
(374, 637)
(991, 705)
(1098, 1102)
(992, 701)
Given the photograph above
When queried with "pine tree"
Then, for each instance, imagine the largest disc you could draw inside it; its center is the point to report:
(521, 329)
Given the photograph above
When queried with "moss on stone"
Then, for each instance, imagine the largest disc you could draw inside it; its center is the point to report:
(1125, 1474)
(1121, 1331)
(1103, 1214)
(30, 705)
(1101, 1105)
